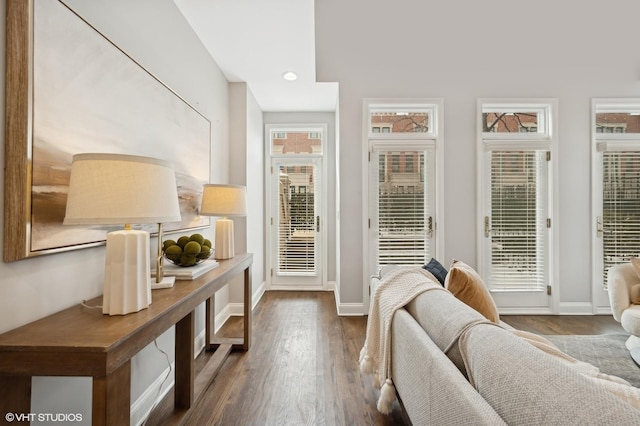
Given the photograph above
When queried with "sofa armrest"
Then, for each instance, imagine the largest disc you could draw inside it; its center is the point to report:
(431, 388)
(380, 273)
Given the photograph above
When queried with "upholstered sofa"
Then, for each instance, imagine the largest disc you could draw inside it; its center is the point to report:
(450, 366)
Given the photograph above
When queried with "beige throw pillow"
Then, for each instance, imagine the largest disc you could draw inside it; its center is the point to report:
(465, 284)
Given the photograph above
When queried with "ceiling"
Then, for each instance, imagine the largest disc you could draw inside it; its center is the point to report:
(257, 41)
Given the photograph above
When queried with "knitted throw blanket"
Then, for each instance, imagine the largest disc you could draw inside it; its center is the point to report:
(613, 384)
(395, 290)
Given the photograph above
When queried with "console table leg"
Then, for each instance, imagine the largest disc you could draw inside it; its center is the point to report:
(15, 395)
(210, 321)
(184, 362)
(112, 397)
(247, 309)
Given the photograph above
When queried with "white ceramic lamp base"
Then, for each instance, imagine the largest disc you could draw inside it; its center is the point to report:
(224, 239)
(127, 274)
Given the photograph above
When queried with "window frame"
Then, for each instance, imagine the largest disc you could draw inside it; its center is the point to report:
(408, 141)
(600, 143)
(389, 105)
(543, 109)
(317, 159)
(277, 129)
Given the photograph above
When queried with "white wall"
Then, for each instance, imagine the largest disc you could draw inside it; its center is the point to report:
(247, 157)
(154, 33)
(462, 51)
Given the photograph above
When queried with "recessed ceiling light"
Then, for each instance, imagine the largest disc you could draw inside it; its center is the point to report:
(290, 76)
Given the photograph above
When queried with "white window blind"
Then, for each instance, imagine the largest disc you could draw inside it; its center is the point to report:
(297, 220)
(620, 222)
(517, 222)
(404, 213)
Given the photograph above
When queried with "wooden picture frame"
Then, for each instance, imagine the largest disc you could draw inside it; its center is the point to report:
(71, 90)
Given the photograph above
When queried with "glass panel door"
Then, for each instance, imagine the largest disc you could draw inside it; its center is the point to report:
(516, 254)
(516, 230)
(620, 220)
(297, 222)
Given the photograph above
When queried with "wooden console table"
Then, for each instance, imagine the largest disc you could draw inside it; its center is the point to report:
(83, 342)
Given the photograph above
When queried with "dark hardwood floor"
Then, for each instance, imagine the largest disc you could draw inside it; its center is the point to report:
(302, 367)
(565, 324)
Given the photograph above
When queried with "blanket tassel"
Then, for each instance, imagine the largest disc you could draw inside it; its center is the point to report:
(387, 396)
(366, 363)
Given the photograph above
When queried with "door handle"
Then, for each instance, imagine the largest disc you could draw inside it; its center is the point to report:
(599, 227)
(487, 227)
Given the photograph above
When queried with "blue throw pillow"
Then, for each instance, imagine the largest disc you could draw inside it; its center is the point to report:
(437, 270)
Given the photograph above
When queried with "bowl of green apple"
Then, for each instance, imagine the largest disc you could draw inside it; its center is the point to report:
(187, 250)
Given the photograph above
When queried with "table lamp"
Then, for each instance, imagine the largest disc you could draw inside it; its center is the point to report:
(225, 201)
(116, 189)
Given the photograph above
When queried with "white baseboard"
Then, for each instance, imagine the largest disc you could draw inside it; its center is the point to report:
(524, 311)
(297, 287)
(332, 285)
(575, 308)
(198, 343)
(257, 295)
(564, 308)
(142, 407)
(351, 310)
(222, 317)
(603, 310)
(237, 309)
(348, 309)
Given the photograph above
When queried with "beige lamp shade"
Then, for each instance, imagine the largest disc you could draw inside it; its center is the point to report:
(108, 189)
(224, 200)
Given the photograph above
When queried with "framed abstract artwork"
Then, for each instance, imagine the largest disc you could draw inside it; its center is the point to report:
(70, 90)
